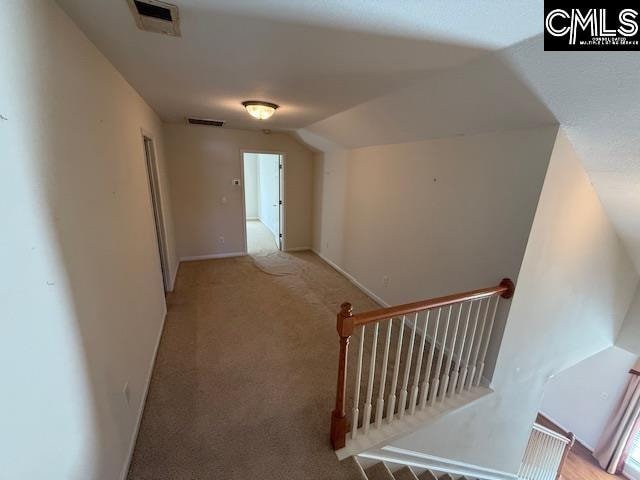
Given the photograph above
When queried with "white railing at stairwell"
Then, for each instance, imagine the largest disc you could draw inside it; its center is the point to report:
(545, 454)
(432, 351)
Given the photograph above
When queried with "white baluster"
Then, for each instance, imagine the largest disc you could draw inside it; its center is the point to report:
(383, 374)
(526, 461)
(396, 368)
(443, 344)
(533, 469)
(476, 351)
(465, 367)
(402, 405)
(546, 457)
(356, 399)
(427, 375)
(416, 377)
(483, 356)
(557, 459)
(528, 458)
(450, 355)
(553, 458)
(366, 419)
(458, 362)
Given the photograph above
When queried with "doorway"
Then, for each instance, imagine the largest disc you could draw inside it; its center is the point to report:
(156, 202)
(263, 201)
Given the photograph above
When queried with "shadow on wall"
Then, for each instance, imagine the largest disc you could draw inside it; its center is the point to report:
(76, 124)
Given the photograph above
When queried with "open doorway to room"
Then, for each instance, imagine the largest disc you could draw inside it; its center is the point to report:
(263, 201)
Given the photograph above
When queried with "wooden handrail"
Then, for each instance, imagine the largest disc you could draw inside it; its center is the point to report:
(347, 321)
(504, 289)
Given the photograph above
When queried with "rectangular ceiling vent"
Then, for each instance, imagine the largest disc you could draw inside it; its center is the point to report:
(205, 121)
(156, 16)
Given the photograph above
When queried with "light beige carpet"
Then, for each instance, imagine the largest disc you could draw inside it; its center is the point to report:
(245, 376)
(259, 238)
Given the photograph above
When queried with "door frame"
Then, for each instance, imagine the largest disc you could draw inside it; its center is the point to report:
(155, 203)
(282, 188)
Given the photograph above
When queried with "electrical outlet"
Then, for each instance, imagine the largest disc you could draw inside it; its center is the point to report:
(126, 393)
(385, 281)
(604, 396)
(221, 240)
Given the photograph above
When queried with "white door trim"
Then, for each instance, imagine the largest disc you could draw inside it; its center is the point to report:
(156, 205)
(283, 209)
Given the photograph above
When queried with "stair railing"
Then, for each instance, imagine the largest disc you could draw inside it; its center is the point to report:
(441, 355)
(545, 454)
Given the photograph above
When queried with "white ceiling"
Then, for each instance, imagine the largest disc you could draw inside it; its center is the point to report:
(314, 58)
(483, 95)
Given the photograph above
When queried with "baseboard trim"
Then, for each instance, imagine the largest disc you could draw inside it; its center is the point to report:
(298, 249)
(134, 437)
(212, 256)
(420, 460)
(380, 301)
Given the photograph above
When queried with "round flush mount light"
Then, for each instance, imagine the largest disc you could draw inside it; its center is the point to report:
(260, 110)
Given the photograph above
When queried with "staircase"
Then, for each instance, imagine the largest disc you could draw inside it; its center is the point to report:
(380, 471)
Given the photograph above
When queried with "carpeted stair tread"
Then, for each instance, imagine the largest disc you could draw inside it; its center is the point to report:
(427, 475)
(405, 473)
(379, 471)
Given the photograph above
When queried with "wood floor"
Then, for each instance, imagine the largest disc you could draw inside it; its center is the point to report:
(580, 464)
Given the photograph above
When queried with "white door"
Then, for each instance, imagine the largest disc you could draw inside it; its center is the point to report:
(269, 171)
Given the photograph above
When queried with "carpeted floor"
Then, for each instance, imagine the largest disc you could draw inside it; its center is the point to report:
(245, 376)
(259, 238)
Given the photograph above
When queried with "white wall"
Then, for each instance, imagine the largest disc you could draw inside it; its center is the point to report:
(629, 336)
(582, 398)
(251, 186)
(269, 178)
(574, 287)
(458, 210)
(81, 291)
(203, 161)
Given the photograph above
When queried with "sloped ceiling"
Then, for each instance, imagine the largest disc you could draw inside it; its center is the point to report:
(314, 58)
(596, 98)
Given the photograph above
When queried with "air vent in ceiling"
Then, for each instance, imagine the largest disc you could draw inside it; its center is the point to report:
(156, 16)
(205, 121)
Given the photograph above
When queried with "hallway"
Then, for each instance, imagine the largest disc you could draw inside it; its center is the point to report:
(245, 374)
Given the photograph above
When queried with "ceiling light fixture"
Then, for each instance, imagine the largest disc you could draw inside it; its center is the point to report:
(260, 110)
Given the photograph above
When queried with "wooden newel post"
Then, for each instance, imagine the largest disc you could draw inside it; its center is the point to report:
(339, 425)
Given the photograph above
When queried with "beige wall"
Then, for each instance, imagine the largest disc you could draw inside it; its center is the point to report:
(82, 294)
(573, 290)
(203, 161)
(583, 398)
(629, 336)
(457, 210)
